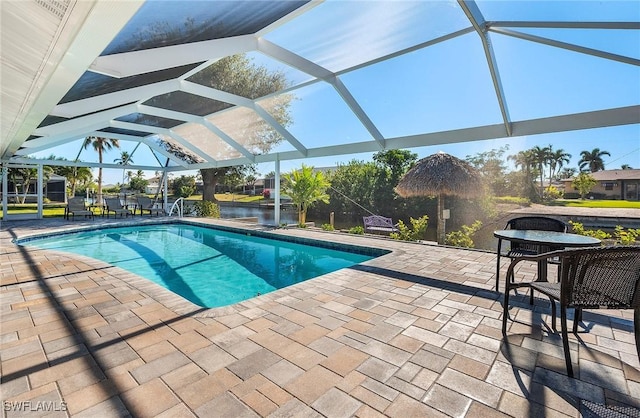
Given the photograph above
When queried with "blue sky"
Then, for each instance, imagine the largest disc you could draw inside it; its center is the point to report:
(448, 85)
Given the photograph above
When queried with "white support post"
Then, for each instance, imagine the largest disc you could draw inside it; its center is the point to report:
(5, 189)
(40, 186)
(165, 188)
(276, 200)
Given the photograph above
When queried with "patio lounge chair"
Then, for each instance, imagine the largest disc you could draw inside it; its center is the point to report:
(114, 205)
(146, 204)
(75, 206)
(538, 223)
(590, 278)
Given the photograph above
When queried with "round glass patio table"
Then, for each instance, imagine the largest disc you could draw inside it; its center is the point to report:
(552, 239)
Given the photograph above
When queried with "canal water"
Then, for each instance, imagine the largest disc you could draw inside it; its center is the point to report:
(265, 216)
(484, 239)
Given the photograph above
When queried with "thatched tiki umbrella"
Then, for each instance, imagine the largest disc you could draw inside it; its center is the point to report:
(439, 175)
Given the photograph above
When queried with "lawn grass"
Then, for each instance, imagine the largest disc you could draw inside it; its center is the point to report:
(243, 198)
(47, 211)
(621, 204)
(228, 197)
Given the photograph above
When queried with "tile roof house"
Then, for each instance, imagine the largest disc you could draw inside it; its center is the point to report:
(612, 184)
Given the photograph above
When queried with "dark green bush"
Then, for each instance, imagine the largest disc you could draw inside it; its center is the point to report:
(206, 209)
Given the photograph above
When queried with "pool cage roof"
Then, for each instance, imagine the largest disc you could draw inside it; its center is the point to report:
(352, 76)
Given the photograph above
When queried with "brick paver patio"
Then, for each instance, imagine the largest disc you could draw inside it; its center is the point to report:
(412, 333)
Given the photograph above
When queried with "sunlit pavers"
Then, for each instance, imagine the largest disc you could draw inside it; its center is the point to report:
(415, 332)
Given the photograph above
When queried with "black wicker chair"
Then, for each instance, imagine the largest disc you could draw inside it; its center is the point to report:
(539, 223)
(590, 278)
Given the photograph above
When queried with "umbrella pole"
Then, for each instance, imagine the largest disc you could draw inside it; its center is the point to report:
(440, 231)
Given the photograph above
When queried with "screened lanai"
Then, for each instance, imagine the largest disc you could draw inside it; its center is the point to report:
(344, 77)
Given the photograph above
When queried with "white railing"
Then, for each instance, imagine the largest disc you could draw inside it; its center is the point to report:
(179, 206)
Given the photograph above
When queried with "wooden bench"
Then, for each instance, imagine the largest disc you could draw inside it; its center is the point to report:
(378, 224)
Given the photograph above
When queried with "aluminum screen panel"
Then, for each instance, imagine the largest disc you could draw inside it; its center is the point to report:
(166, 23)
(93, 84)
(181, 101)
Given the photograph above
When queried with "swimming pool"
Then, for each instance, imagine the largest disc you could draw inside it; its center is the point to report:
(207, 266)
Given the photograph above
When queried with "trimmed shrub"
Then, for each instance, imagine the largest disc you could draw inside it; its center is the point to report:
(416, 232)
(206, 209)
(463, 237)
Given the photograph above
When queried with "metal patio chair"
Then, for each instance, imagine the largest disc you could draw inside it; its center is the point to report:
(76, 206)
(590, 278)
(114, 205)
(538, 223)
(146, 204)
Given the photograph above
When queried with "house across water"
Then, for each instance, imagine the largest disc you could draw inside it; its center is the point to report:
(612, 184)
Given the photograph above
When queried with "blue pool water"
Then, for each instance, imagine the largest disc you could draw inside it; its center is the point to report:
(209, 267)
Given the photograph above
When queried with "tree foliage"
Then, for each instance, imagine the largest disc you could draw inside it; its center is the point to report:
(100, 145)
(491, 164)
(305, 187)
(238, 75)
(525, 183)
(416, 232)
(361, 188)
(138, 183)
(592, 160)
(464, 236)
(392, 165)
(223, 175)
(22, 177)
(353, 188)
(537, 162)
(78, 178)
(583, 183)
(184, 186)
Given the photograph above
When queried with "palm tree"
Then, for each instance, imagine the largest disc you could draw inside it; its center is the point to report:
(557, 159)
(541, 158)
(527, 161)
(305, 187)
(125, 159)
(100, 145)
(75, 176)
(567, 172)
(593, 160)
(23, 177)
